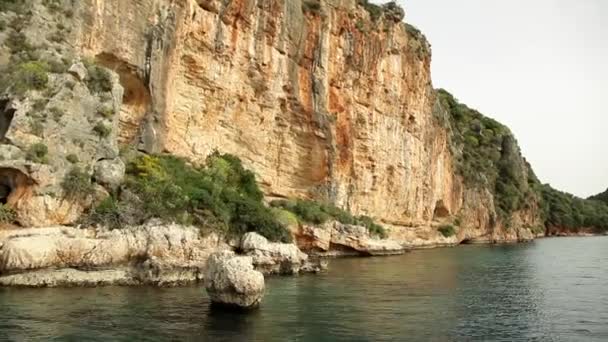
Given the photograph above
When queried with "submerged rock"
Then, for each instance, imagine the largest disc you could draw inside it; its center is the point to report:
(231, 280)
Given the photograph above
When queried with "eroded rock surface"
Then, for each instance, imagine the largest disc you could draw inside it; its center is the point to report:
(231, 280)
(150, 254)
(337, 239)
(273, 258)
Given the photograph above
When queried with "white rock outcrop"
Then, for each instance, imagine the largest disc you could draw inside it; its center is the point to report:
(337, 239)
(231, 280)
(273, 258)
(149, 254)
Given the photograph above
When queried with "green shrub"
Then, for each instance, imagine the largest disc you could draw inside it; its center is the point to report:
(222, 195)
(72, 158)
(30, 76)
(285, 217)
(374, 10)
(77, 183)
(102, 130)
(106, 111)
(37, 127)
(318, 213)
(447, 231)
(313, 6)
(17, 42)
(56, 113)
(52, 5)
(98, 79)
(307, 211)
(457, 221)
(37, 153)
(57, 66)
(107, 213)
(373, 228)
(7, 215)
(12, 6)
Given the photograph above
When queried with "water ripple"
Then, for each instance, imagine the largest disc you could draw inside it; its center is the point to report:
(551, 290)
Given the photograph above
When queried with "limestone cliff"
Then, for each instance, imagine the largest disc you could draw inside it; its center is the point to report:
(329, 100)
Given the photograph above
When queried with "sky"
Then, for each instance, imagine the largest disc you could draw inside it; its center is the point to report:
(540, 67)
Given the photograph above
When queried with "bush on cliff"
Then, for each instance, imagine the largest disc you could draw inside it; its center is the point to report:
(447, 231)
(221, 195)
(7, 215)
(77, 183)
(318, 213)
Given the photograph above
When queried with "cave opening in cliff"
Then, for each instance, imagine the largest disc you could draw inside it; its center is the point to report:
(14, 184)
(441, 211)
(136, 98)
(6, 117)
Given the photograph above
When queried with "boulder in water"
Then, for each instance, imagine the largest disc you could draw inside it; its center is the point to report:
(231, 281)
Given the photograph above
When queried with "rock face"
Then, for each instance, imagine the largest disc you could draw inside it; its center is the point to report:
(337, 239)
(151, 254)
(273, 258)
(231, 280)
(333, 103)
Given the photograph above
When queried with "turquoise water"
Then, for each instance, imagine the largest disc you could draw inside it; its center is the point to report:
(549, 290)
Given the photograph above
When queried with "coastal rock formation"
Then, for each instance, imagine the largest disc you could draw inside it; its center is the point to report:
(331, 102)
(151, 254)
(337, 239)
(231, 281)
(273, 258)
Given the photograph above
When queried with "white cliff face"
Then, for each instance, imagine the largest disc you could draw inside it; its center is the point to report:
(327, 104)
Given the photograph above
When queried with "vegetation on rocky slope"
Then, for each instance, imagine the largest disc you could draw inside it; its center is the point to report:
(487, 155)
(318, 213)
(220, 195)
(603, 197)
(7, 215)
(566, 211)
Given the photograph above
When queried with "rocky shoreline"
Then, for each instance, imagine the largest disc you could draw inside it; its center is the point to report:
(161, 254)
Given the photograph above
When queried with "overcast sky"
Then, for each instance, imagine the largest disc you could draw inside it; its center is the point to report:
(538, 66)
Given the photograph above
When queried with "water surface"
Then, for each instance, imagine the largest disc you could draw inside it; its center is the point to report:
(549, 290)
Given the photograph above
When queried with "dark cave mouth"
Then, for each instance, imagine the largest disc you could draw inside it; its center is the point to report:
(5, 192)
(14, 184)
(6, 117)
